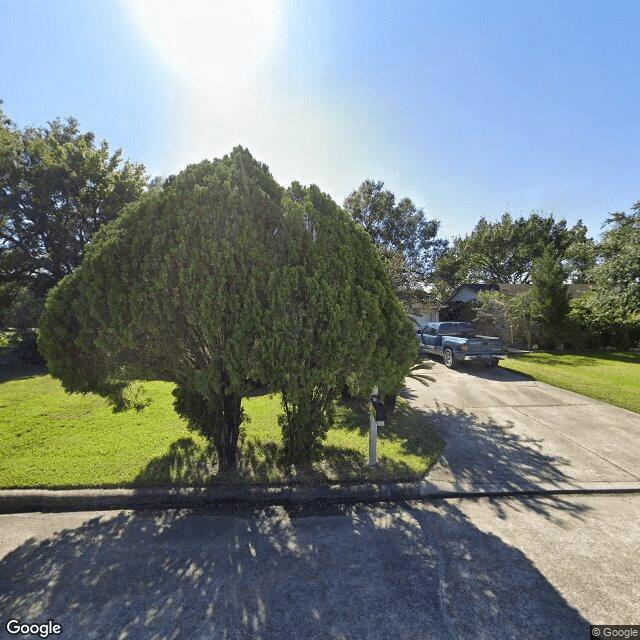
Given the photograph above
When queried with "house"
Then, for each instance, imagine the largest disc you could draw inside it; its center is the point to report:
(421, 308)
(469, 292)
(425, 312)
(460, 306)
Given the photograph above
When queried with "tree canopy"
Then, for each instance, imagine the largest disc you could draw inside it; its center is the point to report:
(57, 187)
(335, 318)
(505, 251)
(549, 294)
(406, 238)
(173, 290)
(613, 304)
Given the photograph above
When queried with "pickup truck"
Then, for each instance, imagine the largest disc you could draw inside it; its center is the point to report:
(457, 342)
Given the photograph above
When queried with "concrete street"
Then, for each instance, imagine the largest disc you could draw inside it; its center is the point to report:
(485, 568)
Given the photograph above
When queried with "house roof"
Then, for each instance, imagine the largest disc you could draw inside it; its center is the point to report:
(511, 290)
(574, 290)
(476, 287)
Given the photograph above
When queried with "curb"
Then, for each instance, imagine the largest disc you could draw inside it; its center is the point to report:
(30, 500)
(27, 500)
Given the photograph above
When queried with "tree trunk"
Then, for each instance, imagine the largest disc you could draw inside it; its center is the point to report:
(390, 402)
(229, 431)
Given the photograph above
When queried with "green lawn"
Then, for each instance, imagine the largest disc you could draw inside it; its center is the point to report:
(612, 377)
(53, 439)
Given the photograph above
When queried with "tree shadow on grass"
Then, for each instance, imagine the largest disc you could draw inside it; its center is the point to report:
(185, 464)
(262, 462)
(421, 571)
(347, 466)
(579, 359)
(557, 359)
(406, 424)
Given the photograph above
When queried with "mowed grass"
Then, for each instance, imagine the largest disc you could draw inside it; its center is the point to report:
(51, 439)
(613, 377)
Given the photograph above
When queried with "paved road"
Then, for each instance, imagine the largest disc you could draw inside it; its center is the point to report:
(453, 569)
(506, 431)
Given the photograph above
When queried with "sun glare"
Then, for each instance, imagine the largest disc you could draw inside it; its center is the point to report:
(217, 44)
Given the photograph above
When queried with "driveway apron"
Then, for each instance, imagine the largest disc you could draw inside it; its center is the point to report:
(508, 433)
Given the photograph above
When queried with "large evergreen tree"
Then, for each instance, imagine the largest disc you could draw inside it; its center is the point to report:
(335, 319)
(214, 280)
(549, 294)
(173, 289)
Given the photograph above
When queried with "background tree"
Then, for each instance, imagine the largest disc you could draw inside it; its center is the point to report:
(508, 314)
(406, 239)
(550, 300)
(549, 295)
(612, 306)
(504, 252)
(174, 289)
(580, 256)
(57, 187)
(335, 318)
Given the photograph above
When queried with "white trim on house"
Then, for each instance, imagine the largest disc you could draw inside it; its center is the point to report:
(424, 314)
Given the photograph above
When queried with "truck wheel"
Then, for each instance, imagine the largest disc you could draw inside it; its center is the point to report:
(449, 359)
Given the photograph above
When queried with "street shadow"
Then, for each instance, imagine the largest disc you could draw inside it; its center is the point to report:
(490, 452)
(479, 451)
(424, 369)
(501, 373)
(410, 571)
(420, 371)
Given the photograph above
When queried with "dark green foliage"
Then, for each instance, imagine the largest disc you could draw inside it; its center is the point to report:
(335, 319)
(549, 297)
(611, 309)
(215, 280)
(504, 251)
(405, 238)
(208, 416)
(509, 315)
(458, 311)
(57, 187)
(173, 289)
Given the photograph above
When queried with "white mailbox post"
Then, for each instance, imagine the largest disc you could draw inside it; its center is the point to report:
(377, 415)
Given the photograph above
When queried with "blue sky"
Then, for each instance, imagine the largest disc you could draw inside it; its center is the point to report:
(469, 108)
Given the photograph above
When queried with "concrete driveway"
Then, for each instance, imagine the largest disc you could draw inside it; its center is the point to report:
(507, 433)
